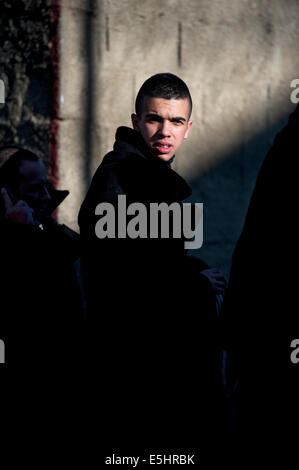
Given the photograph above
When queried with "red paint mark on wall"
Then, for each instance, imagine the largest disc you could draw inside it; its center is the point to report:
(55, 14)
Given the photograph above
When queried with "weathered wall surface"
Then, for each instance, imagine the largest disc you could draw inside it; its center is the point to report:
(26, 70)
(238, 58)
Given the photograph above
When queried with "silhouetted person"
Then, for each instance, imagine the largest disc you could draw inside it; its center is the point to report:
(260, 310)
(151, 308)
(40, 293)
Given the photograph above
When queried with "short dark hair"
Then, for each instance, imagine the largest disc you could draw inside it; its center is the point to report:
(162, 85)
(13, 156)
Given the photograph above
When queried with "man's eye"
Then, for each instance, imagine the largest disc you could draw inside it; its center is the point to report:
(36, 187)
(178, 122)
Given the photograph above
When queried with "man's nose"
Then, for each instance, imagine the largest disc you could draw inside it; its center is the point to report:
(46, 195)
(165, 128)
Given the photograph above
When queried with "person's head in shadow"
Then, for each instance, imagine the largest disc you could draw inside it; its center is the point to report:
(24, 183)
(23, 176)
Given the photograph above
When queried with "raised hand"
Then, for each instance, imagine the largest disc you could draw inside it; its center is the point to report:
(216, 278)
(17, 213)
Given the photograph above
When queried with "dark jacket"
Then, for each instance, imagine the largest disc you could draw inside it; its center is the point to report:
(152, 312)
(131, 169)
(260, 311)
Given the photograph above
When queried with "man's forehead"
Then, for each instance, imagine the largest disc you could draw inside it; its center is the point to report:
(33, 170)
(166, 108)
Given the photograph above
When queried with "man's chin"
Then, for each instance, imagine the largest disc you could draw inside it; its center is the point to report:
(163, 156)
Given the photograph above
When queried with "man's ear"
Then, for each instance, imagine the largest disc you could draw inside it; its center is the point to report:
(188, 129)
(135, 121)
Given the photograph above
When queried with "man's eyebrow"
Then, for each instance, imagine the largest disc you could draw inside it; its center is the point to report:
(39, 181)
(178, 118)
(155, 115)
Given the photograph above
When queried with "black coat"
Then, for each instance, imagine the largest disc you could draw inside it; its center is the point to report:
(260, 312)
(41, 304)
(151, 311)
(131, 170)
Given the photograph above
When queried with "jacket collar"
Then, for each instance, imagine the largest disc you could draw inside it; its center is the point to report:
(158, 177)
(134, 139)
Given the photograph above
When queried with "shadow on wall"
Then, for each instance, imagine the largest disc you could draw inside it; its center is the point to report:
(225, 191)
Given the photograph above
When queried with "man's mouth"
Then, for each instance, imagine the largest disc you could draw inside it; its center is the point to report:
(162, 147)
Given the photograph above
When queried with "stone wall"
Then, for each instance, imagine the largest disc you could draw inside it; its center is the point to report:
(237, 56)
(26, 69)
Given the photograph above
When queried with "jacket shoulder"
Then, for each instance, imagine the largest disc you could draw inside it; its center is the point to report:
(105, 186)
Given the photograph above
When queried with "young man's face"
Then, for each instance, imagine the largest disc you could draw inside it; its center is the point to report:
(163, 124)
